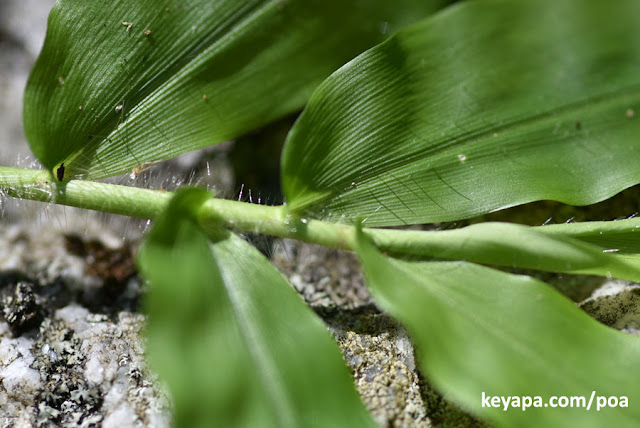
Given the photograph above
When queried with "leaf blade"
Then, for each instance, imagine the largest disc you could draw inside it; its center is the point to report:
(120, 85)
(232, 339)
(481, 331)
(476, 108)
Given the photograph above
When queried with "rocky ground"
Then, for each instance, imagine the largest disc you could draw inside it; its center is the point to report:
(71, 349)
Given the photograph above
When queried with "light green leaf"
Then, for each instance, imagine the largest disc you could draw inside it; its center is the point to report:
(120, 84)
(481, 331)
(621, 237)
(507, 244)
(235, 343)
(485, 105)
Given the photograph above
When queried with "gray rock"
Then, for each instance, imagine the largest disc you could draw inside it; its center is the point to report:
(73, 367)
(616, 304)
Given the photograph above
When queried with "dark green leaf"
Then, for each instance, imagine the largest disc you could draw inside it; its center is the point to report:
(485, 105)
(481, 331)
(121, 84)
(235, 343)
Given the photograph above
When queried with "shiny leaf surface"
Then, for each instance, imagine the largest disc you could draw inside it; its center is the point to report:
(484, 105)
(121, 84)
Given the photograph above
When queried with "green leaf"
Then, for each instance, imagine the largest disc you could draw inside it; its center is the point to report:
(621, 237)
(122, 84)
(234, 342)
(481, 331)
(507, 244)
(485, 105)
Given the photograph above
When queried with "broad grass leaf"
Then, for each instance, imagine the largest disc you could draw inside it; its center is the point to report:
(234, 342)
(482, 106)
(121, 84)
(481, 331)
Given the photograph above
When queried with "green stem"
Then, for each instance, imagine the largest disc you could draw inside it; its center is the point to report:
(147, 204)
(476, 243)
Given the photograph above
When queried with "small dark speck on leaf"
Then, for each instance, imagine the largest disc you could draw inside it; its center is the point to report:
(60, 172)
(578, 125)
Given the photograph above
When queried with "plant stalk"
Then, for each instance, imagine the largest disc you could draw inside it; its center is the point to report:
(40, 185)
